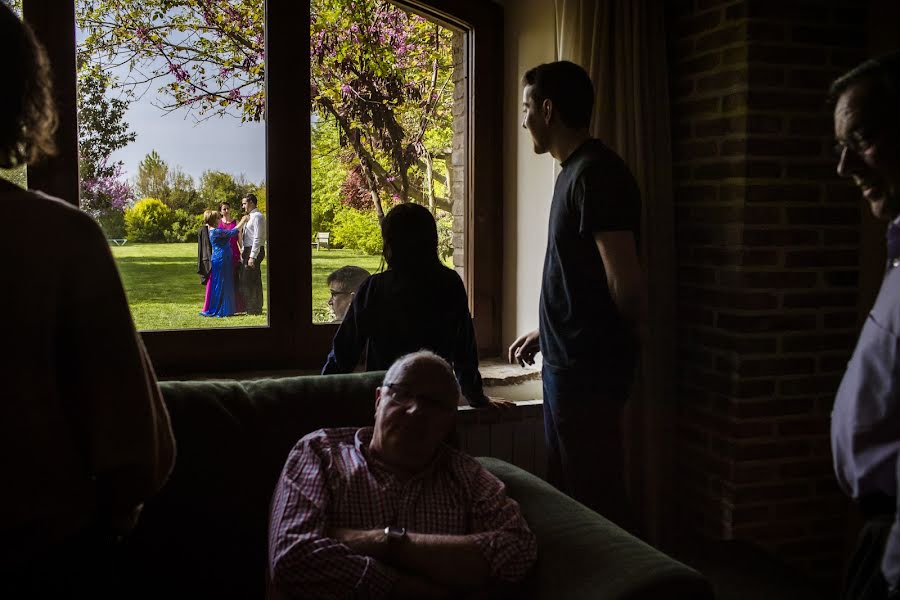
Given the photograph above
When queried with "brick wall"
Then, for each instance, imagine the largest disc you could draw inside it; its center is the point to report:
(456, 169)
(768, 246)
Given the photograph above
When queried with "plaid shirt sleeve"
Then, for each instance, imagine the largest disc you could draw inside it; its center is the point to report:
(303, 561)
(500, 529)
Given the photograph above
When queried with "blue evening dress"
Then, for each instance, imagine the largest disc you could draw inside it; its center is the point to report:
(221, 297)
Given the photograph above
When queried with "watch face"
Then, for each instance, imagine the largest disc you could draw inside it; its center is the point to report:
(395, 533)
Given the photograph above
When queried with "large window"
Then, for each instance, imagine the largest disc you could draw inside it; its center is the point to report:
(275, 39)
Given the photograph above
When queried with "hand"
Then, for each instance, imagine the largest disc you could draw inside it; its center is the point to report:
(251, 262)
(499, 404)
(524, 349)
(367, 542)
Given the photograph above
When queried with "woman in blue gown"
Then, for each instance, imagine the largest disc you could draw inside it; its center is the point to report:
(221, 297)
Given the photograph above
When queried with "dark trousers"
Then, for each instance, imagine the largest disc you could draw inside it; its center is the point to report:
(585, 445)
(865, 580)
(251, 282)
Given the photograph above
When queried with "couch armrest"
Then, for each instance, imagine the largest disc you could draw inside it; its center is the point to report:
(583, 555)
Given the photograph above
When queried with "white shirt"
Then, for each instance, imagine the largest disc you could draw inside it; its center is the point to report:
(255, 233)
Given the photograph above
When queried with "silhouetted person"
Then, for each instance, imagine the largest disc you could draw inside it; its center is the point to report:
(84, 434)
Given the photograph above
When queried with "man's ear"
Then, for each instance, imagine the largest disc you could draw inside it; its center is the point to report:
(547, 109)
(377, 398)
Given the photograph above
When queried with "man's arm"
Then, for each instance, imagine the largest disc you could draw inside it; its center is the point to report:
(624, 275)
(304, 561)
(501, 548)
(258, 235)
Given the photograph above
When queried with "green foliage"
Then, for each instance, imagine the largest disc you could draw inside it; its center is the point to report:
(184, 227)
(112, 223)
(328, 173)
(18, 176)
(217, 187)
(181, 192)
(357, 230)
(152, 177)
(102, 128)
(445, 237)
(148, 220)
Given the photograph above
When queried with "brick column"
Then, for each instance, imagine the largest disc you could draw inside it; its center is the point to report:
(768, 245)
(456, 170)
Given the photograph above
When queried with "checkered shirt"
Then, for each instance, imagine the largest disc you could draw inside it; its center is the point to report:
(331, 480)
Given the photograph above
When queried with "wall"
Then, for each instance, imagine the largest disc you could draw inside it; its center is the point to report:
(527, 178)
(768, 264)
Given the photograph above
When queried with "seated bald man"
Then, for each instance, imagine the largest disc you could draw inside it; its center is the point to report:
(391, 511)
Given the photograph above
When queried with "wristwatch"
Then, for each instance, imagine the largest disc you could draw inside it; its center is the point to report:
(394, 535)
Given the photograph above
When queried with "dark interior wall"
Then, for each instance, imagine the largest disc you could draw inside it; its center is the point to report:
(768, 250)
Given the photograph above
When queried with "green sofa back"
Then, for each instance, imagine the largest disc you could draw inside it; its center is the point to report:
(204, 535)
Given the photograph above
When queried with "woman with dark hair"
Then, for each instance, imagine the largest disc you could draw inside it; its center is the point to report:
(416, 304)
(84, 432)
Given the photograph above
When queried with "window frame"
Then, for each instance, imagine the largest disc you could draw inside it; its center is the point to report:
(292, 341)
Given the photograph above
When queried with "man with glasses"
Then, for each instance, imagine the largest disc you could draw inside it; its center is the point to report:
(343, 284)
(865, 421)
(391, 509)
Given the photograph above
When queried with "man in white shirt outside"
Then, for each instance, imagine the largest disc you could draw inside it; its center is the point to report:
(254, 241)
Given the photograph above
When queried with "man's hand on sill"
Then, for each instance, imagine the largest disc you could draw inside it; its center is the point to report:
(500, 404)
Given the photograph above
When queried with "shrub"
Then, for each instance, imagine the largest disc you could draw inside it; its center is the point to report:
(148, 220)
(184, 227)
(445, 237)
(112, 222)
(357, 230)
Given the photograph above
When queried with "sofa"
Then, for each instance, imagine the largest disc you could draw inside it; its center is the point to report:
(204, 535)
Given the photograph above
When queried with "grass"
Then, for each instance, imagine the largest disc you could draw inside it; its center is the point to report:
(164, 290)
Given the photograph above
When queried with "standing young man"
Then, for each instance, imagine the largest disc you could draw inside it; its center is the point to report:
(254, 253)
(591, 294)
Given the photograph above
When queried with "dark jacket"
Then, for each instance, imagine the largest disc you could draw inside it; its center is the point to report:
(204, 254)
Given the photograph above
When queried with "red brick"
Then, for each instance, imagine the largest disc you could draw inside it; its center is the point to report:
(784, 194)
(688, 150)
(828, 36)
(725, 36)
(783, 147)
(821, 170)
(770, 449)
(769, 279)
(836, 363)
(763, 124)
(784, 100)
(811, 12)
(784, 54)
(760, 168)
(810, 79)
(696, 193)
(806, 468)
(817, 342)
(697, 23)
(759, 215)
(843, 193)
(735, 56)
(841, 236)
(780, 237)
(819, 508)
(765, 322)
(822, 125)
(773, 408)
(696, 107)
(841, 278)
(839, 319)
(736, 342)
(845, 59)
(734, 257)
(697, 275)
(821, 258)
(809, 385)
(736, 102)
(723, 81)
(769, 492)
(831, 215)
(756, 367)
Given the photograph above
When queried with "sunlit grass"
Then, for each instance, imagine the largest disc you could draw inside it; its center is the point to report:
(164, 290)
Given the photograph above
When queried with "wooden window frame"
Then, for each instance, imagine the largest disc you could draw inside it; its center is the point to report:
(292, 342)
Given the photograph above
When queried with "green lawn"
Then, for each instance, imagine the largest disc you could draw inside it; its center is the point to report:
(164, 289)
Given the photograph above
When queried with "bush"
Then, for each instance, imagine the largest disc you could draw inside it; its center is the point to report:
(112, 222)
(357, 230)
(148, 220)
(445, 237)
(184, 227)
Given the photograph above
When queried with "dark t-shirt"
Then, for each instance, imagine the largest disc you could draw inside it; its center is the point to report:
(579, 323)
(395, 313)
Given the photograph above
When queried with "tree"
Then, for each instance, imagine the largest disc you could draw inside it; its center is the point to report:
(181, 192)
(152, 179)
(208, 56)
(218, 186)
(381, 74)
(101, 126)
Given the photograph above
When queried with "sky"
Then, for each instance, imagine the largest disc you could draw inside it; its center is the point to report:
(219, 143)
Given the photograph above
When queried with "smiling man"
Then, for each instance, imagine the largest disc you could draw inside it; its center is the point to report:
(392, 511)
(865, 421)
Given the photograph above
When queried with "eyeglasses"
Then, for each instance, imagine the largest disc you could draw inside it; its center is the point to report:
(337, 293)
(405, 397)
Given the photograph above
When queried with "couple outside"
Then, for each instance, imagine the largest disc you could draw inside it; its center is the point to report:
(233, 278)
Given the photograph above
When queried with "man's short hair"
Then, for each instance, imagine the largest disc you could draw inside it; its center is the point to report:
(348, 277)
(251, 198)
(883, 71)
(567, 86)
(422, 356)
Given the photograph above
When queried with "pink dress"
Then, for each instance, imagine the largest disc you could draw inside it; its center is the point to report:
(236, 262)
